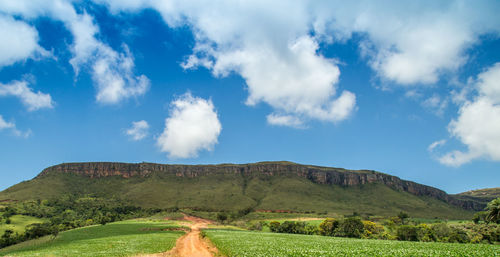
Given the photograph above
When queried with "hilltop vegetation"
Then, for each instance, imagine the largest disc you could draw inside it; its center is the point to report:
(271, 187)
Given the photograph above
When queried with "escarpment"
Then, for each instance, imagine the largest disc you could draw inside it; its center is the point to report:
(316, 174)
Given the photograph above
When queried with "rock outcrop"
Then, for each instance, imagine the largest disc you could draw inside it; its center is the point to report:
(316, 174)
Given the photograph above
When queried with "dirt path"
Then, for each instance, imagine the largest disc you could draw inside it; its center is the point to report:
(191, 243)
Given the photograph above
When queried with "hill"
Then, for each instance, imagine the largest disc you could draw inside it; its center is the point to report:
(265, 186)
(480, 196)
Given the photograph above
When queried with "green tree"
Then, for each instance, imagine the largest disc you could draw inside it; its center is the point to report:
(403, 215)
(221, 217)
(479, 216)
(493, 209)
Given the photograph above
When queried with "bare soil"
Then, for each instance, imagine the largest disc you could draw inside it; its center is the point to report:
(190, 244)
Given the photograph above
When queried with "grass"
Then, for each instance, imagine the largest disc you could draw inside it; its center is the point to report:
(234, 192)
(241, 243)
(124, 238)
(19, 223)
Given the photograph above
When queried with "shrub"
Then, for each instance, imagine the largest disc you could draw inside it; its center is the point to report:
(311, 230)
(328, 227)
(350, 227)
(221, 217)
(372, 229)
(274, 226)
(441, 231)
(408, 233)
(480, 217)
(426, 233)
(292, 227)
(458, 236)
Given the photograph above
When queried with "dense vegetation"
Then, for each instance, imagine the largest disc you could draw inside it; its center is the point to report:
(123, 238)
(65, 213)
(243, 243)
(393, 229)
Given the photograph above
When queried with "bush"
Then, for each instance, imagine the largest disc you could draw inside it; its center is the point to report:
(311, 230)
(221, 217)
(458, 236)
(372, 229)
(426, 233)
(292, 227)
(328, 227)
(480, 217)
(274, 226)
(350, 227)
(441, 231)
(408, 233)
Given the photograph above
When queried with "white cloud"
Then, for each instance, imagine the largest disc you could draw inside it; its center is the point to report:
(411, 42)
(12, 127)
(269, 45)
(436, 104)
(111, 71)
(19, 41)
(193, 126)
(478, 122)
(138, 131)
(284, 120)
(6, 125)
(436, 144)
(32, 100)
(274, 45)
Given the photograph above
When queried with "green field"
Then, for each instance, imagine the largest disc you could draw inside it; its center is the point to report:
(242, 243)
(19, 223)
(125, 238)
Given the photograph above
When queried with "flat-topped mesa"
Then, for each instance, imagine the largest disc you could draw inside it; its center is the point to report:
(316, 174)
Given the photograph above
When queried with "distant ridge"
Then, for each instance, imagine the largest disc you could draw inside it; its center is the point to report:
(263, 186)
(316, 174)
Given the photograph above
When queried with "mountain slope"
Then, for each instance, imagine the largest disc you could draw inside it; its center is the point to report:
(261, 186)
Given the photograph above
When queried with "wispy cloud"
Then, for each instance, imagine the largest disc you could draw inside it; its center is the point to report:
(4, 125)
(138, 131)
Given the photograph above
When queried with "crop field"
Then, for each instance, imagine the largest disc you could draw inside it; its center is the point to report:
(123, 238)
(241, 243)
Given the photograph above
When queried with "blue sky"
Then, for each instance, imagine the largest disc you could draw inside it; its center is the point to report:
(407, 88)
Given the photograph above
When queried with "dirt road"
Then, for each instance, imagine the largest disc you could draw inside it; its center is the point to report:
(190, 244)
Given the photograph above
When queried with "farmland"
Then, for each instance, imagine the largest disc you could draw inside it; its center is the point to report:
(123, 238)
(242, 243)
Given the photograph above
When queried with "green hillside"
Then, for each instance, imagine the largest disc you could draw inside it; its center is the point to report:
(234, 191)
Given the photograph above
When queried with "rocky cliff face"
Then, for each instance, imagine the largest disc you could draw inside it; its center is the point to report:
(316, 174)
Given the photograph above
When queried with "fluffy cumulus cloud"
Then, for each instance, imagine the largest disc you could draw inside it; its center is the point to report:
(192, 126)
(111, 71)
(411, 42)
(5, 125)
(19, 41)
(478, 122)
(138, 131)
(274, 45)
(32, 100)
(269, 45)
